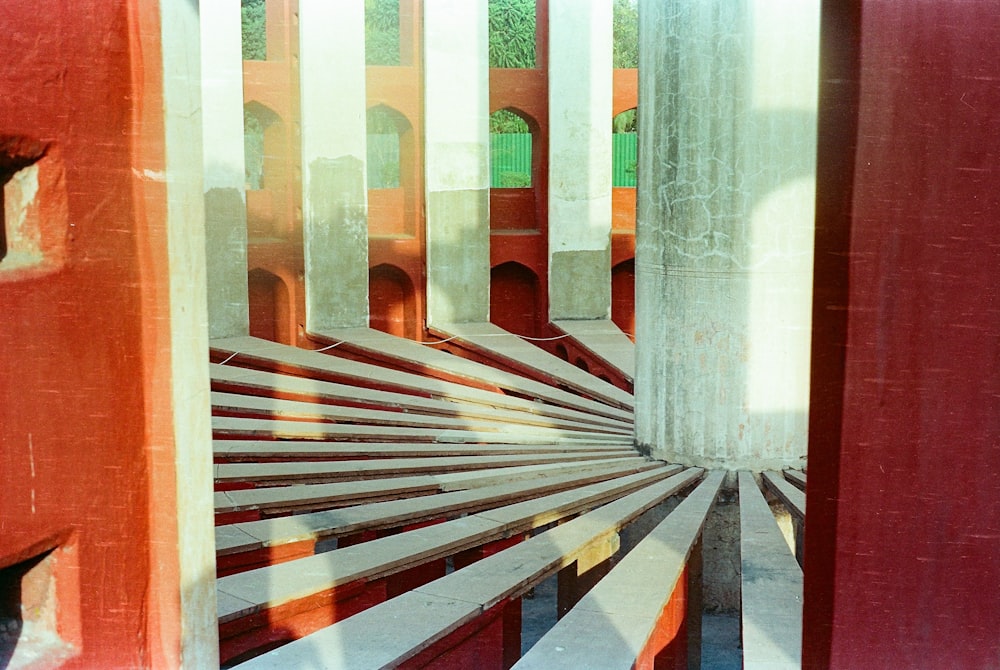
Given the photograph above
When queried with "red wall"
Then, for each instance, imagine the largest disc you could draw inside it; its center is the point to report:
(902, 562)
(75, 393)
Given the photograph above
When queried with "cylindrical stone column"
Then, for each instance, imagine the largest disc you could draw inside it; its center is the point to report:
(457, 178)
(580, 105)
(225, 171)
(334, 195)
(727, 124)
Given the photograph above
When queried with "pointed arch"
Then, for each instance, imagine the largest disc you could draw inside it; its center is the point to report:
(514, 298)
(623, 296)
(270, 306)
(392, 301)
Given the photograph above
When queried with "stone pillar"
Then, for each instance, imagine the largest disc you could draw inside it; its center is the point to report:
(180, 462)
(727, 125)
(580, 97)
(456, 126)
(225, 172)
(334, 195)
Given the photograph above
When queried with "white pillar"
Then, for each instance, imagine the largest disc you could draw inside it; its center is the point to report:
(727, 125)
(185, 543)
(580, 106)
(225, 177)
(334, 195)
(456, 127)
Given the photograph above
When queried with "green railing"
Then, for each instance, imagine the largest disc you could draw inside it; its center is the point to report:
(510, 160)
(623, 161)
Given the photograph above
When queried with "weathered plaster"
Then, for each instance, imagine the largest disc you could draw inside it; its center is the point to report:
(724, 239)
(224, 171)
(580, 113)
(334, 191)
(456, 111)
(194, 546)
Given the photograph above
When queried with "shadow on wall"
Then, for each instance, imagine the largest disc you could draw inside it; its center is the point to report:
(514, 299)
(392, 301)
(270, 307)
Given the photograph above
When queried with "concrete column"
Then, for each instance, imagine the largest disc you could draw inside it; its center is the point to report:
(185, 543)
(334, 195)
(456, 127)
(727, 124)
(225, 172)
(580, 105)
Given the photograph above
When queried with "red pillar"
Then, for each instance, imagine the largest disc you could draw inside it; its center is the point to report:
(902, 548)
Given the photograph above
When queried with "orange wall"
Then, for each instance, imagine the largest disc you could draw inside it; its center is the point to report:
(75, 390)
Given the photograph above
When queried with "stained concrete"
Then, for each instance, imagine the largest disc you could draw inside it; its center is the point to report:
(226, 236)
(224, 170)
(458, 256)
(456, 154)
(336, 256)
(334, 151)
(580, 111)
(580, 284)
(724, 231)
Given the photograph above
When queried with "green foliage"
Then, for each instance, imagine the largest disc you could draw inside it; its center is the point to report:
(506, 121)
(512, 33)
(254, 30)
(382, 32)
(514, 180)
(626, 34)
(626, 122)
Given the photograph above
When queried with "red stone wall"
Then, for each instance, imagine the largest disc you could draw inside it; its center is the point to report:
(902, 547)
(83, 335)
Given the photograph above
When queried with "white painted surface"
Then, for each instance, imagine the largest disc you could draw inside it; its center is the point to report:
(456, 94)
(188, 331)
(222, 94)
(580, 106)
(456, 155)
(334, 183)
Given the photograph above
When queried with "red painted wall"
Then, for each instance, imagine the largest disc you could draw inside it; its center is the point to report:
(902, 562)
(78, 346)
(396, 224)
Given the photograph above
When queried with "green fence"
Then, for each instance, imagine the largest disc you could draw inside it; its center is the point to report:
(623, 152)
(510, 160)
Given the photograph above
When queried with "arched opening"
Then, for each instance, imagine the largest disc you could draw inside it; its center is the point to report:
(261, 129)
(392, 302)
(514, 299)
(582, 364)
(511, 157)
(391, 172)
(623, 296)
(624, 148)
(561, 352)
(514, 170)
(265, 147)
(269, 306)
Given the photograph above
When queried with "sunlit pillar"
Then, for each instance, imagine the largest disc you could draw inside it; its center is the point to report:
(225, 172)
(178, 424)
(456, 113)
(727, 124)
(580, 97)
(334, 195)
